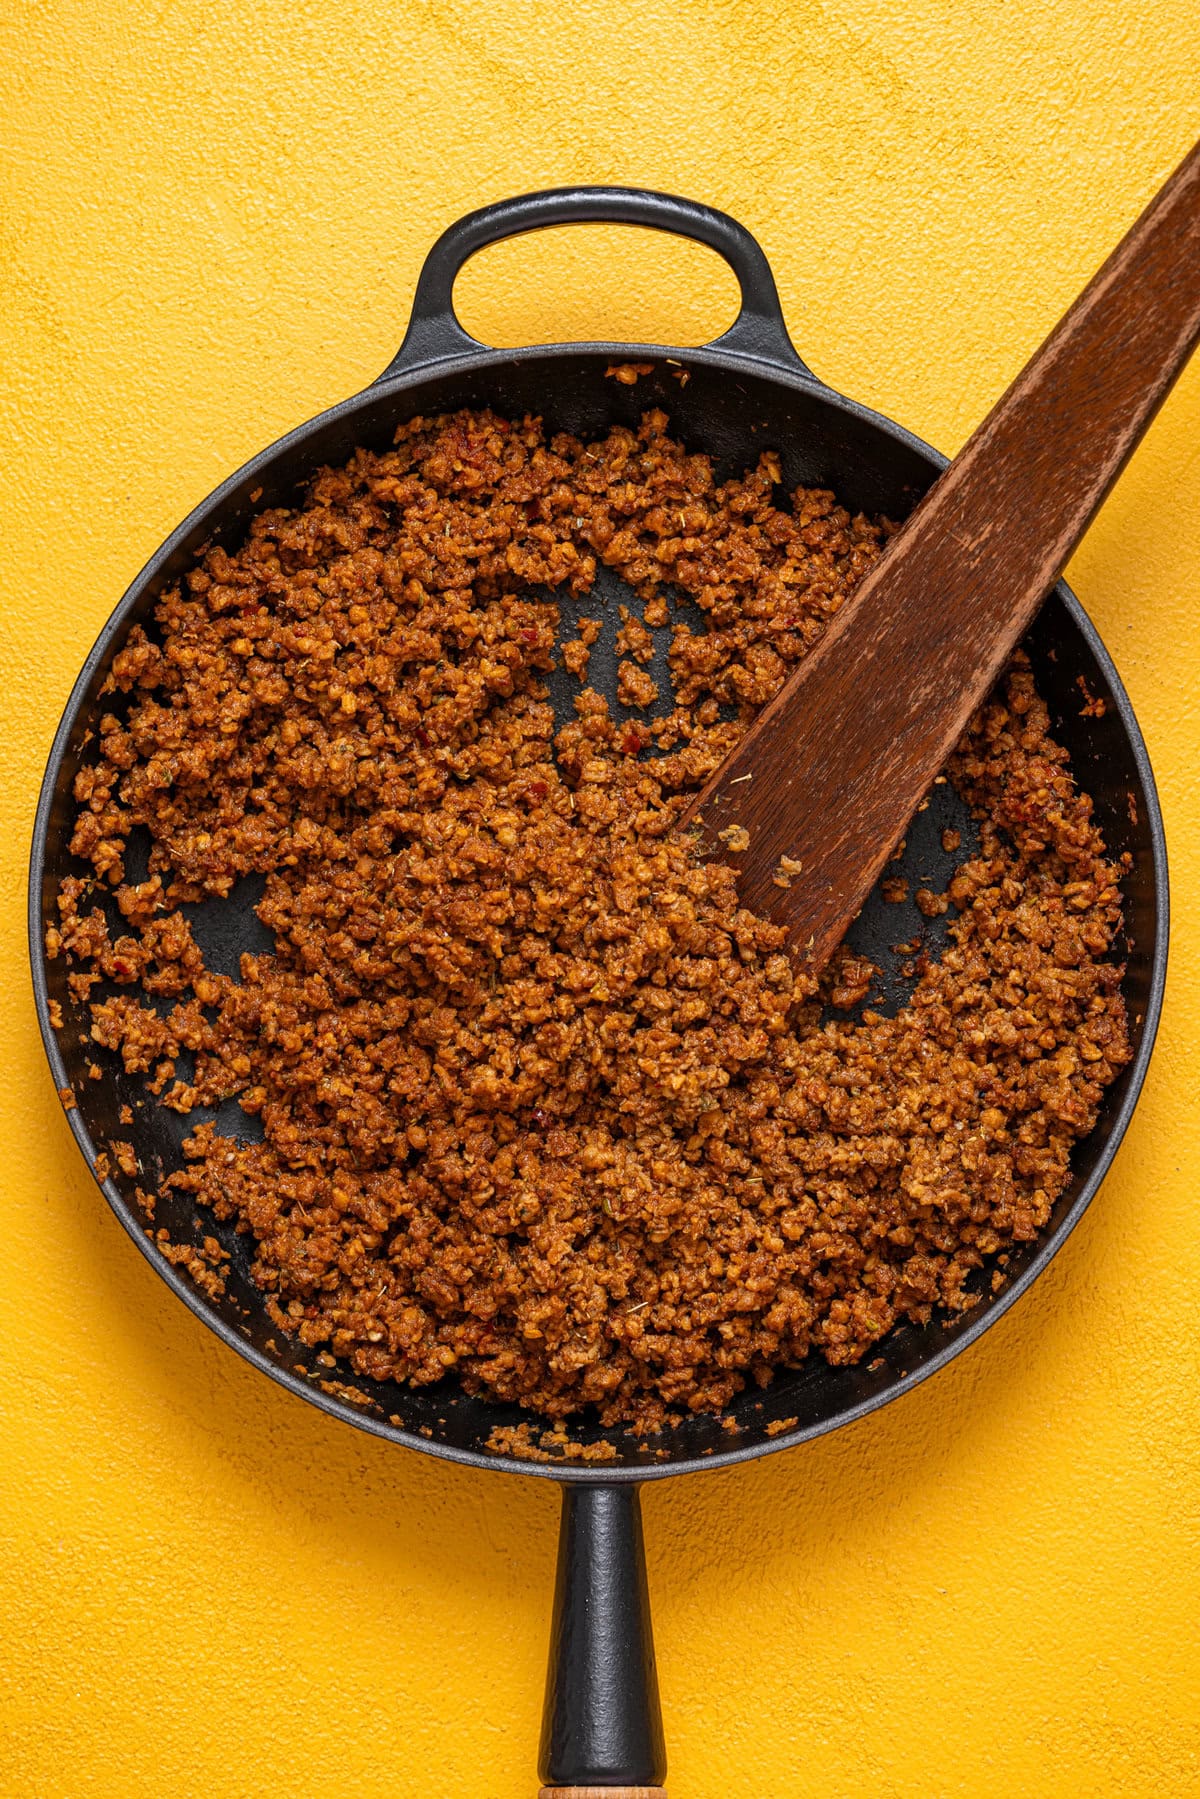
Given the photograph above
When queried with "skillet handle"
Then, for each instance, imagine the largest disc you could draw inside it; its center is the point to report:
(434, 332)
(602, 1726)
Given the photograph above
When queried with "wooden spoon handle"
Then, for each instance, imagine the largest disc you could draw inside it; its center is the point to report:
(835, 766)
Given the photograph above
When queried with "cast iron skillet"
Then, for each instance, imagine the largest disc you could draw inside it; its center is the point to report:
(745, 392)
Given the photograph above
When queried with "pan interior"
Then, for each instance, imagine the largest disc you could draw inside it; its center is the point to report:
(819, 445)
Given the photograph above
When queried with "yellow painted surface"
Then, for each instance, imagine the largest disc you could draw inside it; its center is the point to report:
(212, 214)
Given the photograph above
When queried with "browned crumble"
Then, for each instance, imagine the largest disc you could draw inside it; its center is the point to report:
(1093, 705)
(628, 372)
(852, 982)
(736, 838)
(779, 1425)
(551, 1446)
(542, 1104)
(516, 1440)
(339, 1390)
(125, 1157)
(577, 653)
(633, 639)
(634, 686)
(204, 1264)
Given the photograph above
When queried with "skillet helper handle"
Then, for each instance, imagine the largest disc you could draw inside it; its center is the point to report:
(434, 333)
(602, 1728)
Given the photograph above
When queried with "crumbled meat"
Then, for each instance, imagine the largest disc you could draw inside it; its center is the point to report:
(517, 1440)
(633, 639)
(736, 838)
(204, 1264)
(634, 686)
(540, 1103)
(125, 1157)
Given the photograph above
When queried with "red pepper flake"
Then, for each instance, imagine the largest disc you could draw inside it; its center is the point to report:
(537, 790)
(631, 743)
(529, 636)
(540, 1119)
(422, 737)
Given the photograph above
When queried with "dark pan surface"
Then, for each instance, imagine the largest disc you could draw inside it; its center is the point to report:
(732, 406)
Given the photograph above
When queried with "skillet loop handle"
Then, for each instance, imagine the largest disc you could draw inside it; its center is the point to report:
(602, 1726)
(434, 333)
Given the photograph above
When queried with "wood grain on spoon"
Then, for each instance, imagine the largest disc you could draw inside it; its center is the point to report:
(833, 769)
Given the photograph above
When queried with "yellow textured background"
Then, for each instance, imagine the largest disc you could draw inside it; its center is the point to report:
(212, 215)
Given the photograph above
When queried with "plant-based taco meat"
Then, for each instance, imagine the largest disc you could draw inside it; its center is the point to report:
(540, 1103)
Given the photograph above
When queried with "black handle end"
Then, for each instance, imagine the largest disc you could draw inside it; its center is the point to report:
(603, 1722)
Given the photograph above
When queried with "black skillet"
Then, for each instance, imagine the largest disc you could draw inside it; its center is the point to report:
(747, 391)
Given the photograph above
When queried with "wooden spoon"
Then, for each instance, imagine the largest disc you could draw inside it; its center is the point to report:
(833, 769)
